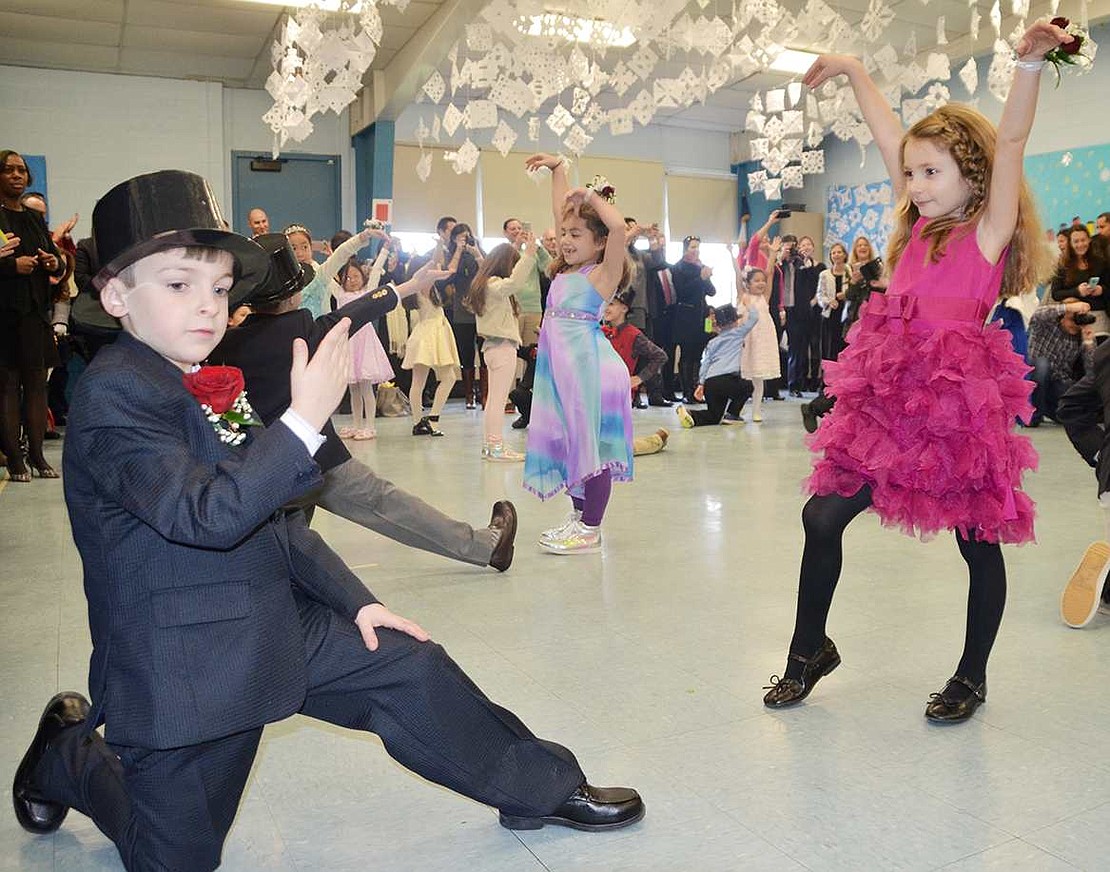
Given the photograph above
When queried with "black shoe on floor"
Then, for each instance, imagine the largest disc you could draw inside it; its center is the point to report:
(639, 403)
(660, 401)
(37, 815)
(809, 418)
(520, 423)
(588, 808)
(957, 702)
(782, 692)
(504, 521)
(794, 392)
(424, 427)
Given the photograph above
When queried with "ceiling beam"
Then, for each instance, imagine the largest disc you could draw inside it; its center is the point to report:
(392, 89)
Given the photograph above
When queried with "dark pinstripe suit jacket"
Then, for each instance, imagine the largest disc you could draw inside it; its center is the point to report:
(189, 567)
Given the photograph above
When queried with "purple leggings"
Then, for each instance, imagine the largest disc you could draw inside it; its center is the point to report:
(595, 498)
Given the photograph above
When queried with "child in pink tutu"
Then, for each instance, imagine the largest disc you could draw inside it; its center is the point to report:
(369, 363)
(926, 395)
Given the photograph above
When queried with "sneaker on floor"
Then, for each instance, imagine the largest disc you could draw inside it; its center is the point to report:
(558, 532)
(684, 417)
(579, 538)
(756, 417)
(731, 419)
(1081, 597)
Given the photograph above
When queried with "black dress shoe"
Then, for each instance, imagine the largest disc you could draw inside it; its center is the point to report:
(782, 692)
(660, 401)
(639, 403)
(794, 392)
(520, 423)
(504, 521)
(588, 808)
(424, 427)
(809, 418)
(34, 814)
(950, 706)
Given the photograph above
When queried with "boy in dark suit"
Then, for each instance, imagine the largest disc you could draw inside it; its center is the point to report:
(212, 611)
(260, 347)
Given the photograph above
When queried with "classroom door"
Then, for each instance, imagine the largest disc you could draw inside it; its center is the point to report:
(305, 191)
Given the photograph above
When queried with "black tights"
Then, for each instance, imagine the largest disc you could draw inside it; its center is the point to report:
(824, 519)
(34, 406)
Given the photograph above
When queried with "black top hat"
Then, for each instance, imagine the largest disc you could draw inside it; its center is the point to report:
(154, 212)
(625, 296)
(287, 276)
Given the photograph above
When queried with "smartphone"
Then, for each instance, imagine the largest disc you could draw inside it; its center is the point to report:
(1092, 281)
(3, 238)
(526, 226)
(784, 213)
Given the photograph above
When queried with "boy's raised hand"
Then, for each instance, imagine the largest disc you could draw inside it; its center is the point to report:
(377, 615)
(317, 385)
(422, 280)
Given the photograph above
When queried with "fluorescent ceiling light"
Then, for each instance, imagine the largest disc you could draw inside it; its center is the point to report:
(588, 30)
(791, 60)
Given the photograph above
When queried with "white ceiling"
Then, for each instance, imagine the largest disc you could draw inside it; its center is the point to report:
(229, 40)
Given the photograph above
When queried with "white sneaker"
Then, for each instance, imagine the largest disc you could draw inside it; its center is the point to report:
(559, 532)
(578, 539)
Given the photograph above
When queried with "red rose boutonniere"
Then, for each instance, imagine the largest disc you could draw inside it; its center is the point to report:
(1078, 52)
(220, 392)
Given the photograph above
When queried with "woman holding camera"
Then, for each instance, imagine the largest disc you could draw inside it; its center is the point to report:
(1079, 275)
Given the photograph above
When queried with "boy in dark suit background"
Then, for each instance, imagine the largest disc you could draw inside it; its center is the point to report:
(212, 611)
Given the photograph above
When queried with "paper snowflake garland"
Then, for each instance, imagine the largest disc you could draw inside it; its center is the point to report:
(503, 138)
(643, 108)
(773, 130)
(559, 120)
(759, 148)
(755, 121)
(973, 24)
(435, 87)
(969, 74)
(577, 140)
(623, 78)
(792, 122)
(792, 177)
(756, 181)
(791, 149)
(480, 115)
(813, 162)
(775, 161)
(424, 166)
(479, 37)
(465, 159)
(533, 130)
(937, 66)
(643, 62)
(772, 189)
(942, 35)
(620, 122)
(452, 118)
(815, 135)
(886, 60)
(877, 19)
(776, 100)
(1001, 72)
(436, 127)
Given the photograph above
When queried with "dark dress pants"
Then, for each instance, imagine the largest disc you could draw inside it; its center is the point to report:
(722, 393)
(689, 362)
(170, 810)
(1048, 390)
(799, 328)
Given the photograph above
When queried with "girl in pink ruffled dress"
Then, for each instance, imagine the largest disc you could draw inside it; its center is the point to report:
(369, 363)
(922, 432)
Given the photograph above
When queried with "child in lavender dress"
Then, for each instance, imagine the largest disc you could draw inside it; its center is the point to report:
(580, 436)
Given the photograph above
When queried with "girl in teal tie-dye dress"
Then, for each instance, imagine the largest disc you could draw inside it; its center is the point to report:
(580, 434)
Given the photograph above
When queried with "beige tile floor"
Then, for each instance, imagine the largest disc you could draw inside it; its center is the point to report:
(648, 661)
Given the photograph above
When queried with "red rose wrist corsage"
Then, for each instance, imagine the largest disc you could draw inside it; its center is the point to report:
(220, 392)
(1078, 52)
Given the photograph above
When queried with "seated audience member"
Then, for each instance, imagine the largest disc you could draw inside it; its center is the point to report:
(212, 611)
(1061, 347)
(1081, 274)
(720, 386)
(1085, 411)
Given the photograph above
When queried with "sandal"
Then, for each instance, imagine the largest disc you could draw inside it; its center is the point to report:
(46, 471)
(23, 477)
(362, 435)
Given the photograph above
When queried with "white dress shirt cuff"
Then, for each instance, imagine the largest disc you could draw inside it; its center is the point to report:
(303, 431)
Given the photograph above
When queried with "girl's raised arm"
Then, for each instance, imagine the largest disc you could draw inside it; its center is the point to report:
(1000, 214)
(607, 276)
(884, 124)
(559, 182)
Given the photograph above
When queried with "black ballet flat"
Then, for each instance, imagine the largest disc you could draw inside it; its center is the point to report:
(424, 427)
(946, 708)
(783, 692)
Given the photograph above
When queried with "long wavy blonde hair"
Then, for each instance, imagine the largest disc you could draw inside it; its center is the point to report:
(970, 138)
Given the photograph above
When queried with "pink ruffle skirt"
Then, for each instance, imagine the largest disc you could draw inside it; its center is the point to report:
(927, 420)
